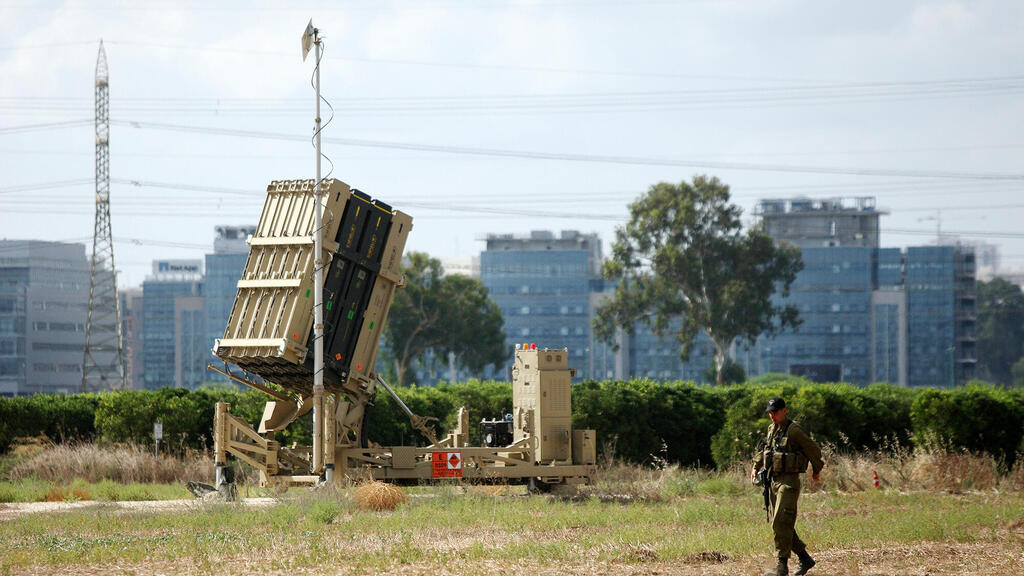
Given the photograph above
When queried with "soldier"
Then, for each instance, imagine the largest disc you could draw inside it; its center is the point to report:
(786, 455)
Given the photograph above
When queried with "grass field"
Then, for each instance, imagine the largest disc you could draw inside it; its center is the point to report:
(443, 530)
(936, 513)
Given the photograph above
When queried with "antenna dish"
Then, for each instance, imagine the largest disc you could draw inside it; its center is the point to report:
(307, 39)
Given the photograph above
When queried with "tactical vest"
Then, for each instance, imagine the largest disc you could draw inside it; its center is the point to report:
(787, 459)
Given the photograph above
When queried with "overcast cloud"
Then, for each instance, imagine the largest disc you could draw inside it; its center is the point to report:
(907, 93)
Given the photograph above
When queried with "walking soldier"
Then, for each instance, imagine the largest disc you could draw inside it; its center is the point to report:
(785, 456)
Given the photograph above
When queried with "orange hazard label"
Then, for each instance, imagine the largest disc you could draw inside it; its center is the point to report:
(447, 464)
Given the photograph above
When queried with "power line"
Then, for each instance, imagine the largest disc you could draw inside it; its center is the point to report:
(45, 126)
(46, 185)
(554, 103)
(605, 159)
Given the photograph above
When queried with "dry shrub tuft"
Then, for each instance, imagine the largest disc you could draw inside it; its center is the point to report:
(617, 482)
(124, 464)
(379, 496)
(707, 556)
(640, 553)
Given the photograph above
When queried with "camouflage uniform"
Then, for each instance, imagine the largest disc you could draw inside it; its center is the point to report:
(785, 488)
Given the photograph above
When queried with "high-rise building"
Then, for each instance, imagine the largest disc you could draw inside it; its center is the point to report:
(941, 309)
(543, 285)
(174, 328)
(44, 300)
(870, 314)
(223, 271)
(833, 294)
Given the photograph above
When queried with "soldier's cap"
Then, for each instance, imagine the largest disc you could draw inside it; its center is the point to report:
(775, 404)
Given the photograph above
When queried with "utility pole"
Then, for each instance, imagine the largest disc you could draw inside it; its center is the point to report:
(103, 361)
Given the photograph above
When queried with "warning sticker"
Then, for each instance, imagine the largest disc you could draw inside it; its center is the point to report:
(447, 464)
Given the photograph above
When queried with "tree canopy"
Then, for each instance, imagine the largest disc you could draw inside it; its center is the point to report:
(444, 314)
(684, 255)
(1000, 329)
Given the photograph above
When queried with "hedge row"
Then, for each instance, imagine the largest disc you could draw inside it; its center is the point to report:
(639, 421)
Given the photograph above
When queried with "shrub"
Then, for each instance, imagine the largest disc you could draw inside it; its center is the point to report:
(977, 417)
(645, 420)
(57, 416)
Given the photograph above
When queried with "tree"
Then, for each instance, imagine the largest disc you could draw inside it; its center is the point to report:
(1000, 329)
(444, 314)
(684, 255)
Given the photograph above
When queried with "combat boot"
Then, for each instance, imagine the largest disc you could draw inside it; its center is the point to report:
(806, 563)
(781, 569)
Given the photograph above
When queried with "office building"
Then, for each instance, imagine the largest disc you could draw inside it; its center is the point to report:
(869, 314)
(223, 271)
(543, 284)
(941, 308)
(44, 302)
(174, 328)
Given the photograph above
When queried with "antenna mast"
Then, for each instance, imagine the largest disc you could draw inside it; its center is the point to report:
(103, 362)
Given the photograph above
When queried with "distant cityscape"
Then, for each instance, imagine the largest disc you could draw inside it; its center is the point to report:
(870, 314)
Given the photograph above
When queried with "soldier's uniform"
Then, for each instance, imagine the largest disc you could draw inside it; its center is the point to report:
(788, 450)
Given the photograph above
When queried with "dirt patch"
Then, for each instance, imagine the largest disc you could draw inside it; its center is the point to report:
(13, 510)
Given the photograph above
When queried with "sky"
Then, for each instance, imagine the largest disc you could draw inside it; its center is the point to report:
(505, 116)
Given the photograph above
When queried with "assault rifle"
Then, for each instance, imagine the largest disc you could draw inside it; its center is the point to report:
(764, 480)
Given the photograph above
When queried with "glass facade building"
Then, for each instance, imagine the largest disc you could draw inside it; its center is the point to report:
(543, 285)
(44, 302)
(833, 295)
(871, 314)
(174, 330)
(941, 311)
(220, 285)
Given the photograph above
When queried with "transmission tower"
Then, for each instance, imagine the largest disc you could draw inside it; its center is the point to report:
(103, 364)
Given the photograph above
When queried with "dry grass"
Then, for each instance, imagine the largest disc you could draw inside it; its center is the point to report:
(379, 496)
(124, 464)
(931, 468)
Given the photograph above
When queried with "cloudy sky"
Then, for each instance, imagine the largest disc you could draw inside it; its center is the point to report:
(480, 116)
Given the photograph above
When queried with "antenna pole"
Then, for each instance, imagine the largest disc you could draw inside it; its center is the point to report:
(318, 285)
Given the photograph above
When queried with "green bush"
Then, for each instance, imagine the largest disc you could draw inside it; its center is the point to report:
(977, 417)
(57, 416)
(640, 421)
(846, 416)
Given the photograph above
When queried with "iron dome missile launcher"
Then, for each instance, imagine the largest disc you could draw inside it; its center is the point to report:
(270, 334)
